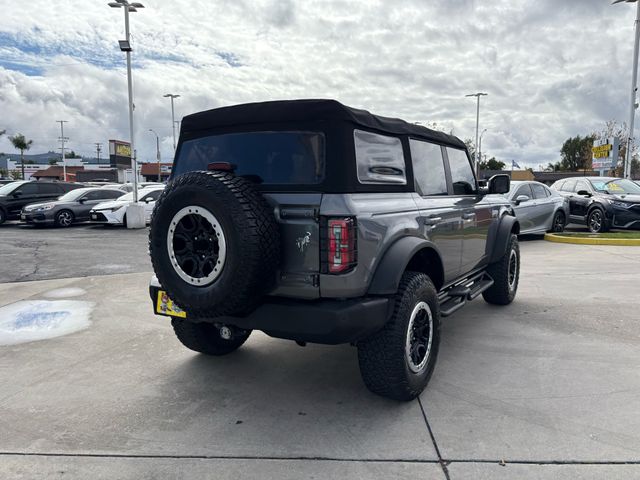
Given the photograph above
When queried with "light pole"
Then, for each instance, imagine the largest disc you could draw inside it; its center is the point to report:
(157, 151)
(480, 144)
(125, 46)
(173, 119)
(62, 140)
(477, 95)
(634, 88)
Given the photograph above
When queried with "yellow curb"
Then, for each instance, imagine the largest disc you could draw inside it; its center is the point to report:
(559, 238)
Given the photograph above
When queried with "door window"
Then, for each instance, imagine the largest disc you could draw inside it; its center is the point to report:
(96, 195)
(568, 186)
(152, 196)
(49, 189)
(539, 191)
(523, 190)
(428, 168)
(582, 185)
(28, 189)
(462, 177)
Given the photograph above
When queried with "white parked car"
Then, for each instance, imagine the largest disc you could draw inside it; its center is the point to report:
(114, 212)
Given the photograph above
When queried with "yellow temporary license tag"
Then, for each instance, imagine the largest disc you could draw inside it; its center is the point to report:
(165, 306)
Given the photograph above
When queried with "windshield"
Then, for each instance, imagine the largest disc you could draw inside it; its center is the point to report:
(9, 187)
(73, 195)
(617, 186)
(263, 157)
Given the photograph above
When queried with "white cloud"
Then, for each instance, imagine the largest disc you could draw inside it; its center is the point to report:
(552, 69)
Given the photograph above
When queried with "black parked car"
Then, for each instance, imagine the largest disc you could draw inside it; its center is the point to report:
(602, 203)
(15, 195)
(71, 207)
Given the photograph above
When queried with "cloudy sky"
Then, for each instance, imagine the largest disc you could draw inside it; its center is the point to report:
(552, 68)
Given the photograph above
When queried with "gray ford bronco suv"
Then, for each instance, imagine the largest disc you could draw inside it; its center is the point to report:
(316, 222)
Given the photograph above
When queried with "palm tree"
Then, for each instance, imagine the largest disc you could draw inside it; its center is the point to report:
(22, 144)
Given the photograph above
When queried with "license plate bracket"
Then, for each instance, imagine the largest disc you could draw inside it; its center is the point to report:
(165, 306)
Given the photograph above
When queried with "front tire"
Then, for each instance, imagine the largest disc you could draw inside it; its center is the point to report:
(506, 275)
(64, 218)
(206, 338)
(3, 216)
(596, 221)
(398, 361)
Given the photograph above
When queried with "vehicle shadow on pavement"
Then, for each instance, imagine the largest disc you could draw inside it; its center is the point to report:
(272, 398)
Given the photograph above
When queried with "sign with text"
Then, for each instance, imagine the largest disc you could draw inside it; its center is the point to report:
(119, 154)
(605, 153)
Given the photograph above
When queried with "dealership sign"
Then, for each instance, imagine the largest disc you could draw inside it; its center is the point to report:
(605, 153)
(119, 154)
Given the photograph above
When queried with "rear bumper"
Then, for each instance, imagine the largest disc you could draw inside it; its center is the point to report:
(324, 321)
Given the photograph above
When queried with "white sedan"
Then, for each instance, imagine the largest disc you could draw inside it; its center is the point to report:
(115, 212)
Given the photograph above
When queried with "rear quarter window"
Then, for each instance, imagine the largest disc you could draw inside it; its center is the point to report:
(379, 158)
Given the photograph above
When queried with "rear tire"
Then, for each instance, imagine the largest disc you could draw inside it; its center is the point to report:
(506, 275)
(205, 337)
(559, 222)
(398, 361)
(3, 216)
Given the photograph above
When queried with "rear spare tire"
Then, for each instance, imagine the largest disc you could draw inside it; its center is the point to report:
(214, 244)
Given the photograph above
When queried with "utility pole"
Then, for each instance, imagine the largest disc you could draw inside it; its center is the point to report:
(157, 152)
(477, 95)
(634, 89)
(173, 118)
(125, 46)
(62, 140)
(98, 150)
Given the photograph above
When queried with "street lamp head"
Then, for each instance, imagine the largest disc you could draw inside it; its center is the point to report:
(114, 5)
(621, 1)
(132, 9)
(479, 94)
(137, 5)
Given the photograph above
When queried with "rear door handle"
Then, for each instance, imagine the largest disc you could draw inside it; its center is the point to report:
(468, 216)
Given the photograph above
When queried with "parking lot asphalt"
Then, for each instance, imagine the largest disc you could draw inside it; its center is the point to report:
(544, 388)
(30, 253)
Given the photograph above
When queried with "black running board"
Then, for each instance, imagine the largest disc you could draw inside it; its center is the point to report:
(455, 297)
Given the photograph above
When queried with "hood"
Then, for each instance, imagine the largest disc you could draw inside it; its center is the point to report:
(626, 197)
(111, 204)
(57, 203)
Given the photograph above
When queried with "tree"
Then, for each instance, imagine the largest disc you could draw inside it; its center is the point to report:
(71, 154)
(576, 153)
(491, 164)
(22, 144)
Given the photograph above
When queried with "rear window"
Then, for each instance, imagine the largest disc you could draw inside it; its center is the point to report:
(278, 158)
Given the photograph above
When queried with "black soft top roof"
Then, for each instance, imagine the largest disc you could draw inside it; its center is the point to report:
(291, 111)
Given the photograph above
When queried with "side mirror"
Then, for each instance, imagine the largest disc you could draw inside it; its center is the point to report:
(584, 193)
(82, 200)
(17, 194)
(499, 184)
(522, 198)
(147, 200)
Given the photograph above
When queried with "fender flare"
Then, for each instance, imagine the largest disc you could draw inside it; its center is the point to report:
(389, 270)
(508, 225)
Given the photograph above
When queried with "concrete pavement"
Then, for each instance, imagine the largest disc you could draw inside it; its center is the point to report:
(547, 386)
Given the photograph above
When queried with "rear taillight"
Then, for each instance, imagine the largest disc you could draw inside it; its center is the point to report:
(340, 246)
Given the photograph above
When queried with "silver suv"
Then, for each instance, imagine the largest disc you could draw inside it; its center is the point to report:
(316, 222)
